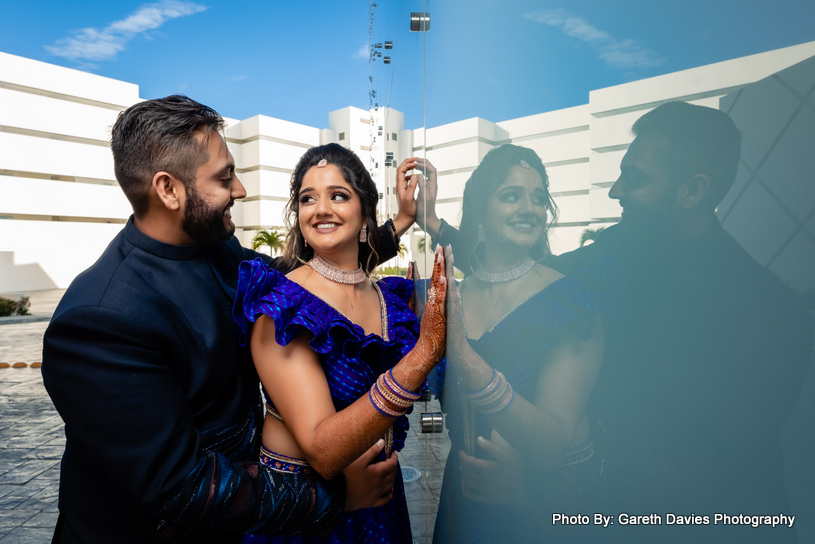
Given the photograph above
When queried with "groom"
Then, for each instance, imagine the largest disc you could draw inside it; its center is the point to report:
(142, 360)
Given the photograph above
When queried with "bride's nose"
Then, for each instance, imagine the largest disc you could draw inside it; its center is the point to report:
(525, 204)
(323, 207)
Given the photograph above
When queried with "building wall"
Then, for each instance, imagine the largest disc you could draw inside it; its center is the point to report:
(60, 204)
(265, 151)
(59, 201)
(770, 209)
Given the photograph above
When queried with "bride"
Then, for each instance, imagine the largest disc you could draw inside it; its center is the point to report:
(341, 356)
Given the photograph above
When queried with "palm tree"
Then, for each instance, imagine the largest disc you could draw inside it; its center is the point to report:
(269, 238)
(590, 235)
(423, 244)
(402, 251)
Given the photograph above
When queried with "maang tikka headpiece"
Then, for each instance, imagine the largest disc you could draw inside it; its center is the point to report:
(322, 163)
(525, 164)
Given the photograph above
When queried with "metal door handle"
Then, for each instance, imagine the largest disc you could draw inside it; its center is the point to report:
(432, 422)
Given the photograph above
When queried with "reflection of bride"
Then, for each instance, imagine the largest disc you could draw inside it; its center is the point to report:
(524, 349)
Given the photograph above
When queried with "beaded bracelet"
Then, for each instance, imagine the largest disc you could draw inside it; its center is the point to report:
(389, 222)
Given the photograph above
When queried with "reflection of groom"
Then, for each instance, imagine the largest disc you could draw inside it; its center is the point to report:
(704, 366)
(142, 360)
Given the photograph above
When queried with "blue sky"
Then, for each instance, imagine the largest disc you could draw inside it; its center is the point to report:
(488, 58)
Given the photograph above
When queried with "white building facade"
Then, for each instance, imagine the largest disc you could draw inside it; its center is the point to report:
(60, 204)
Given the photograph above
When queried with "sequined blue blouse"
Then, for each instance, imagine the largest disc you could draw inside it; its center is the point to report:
(352, 361)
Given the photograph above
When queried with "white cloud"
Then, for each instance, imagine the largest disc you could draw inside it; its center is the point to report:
(617, 53)
(102, 44)
(237, 78)
(363, 52)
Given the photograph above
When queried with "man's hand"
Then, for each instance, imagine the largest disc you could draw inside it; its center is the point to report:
(405, 196)
(370, 485)
(426, 203)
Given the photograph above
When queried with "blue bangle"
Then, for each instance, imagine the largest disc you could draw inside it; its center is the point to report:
(410, 395)
(375, 406)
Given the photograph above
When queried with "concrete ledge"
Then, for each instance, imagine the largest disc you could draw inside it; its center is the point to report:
(15, 319)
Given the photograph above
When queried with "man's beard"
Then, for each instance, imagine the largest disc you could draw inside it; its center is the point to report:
(202, 224)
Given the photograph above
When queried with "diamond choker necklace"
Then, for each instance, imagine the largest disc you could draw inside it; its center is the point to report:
(508, 274)
(338, 275)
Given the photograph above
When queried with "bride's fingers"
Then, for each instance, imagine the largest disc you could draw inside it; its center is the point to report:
(438, 265)
(437, 293)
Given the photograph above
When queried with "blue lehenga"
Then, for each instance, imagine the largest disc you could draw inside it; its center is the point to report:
(517, 346)
(352, 361)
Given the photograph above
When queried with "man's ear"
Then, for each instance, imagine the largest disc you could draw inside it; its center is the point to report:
(170, 190)
(693, 191)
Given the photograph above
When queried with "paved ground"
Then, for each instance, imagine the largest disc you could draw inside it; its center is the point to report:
(32, 440)
(31, 445)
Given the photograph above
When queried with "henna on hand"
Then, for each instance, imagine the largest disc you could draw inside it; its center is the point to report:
(431, 344)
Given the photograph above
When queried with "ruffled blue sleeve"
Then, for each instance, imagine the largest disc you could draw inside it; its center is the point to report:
(263, 290)
(400, 287)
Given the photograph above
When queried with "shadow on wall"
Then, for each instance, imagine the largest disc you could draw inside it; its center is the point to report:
(770, 209)
(22, 277)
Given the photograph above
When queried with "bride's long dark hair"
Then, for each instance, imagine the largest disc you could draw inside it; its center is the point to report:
(489, 175)
(357, 176)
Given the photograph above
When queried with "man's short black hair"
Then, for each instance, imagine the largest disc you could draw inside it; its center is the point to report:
(696, 140)
(160, 135)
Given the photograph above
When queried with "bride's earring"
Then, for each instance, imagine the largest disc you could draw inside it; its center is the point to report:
(363, 234)
(482, 234)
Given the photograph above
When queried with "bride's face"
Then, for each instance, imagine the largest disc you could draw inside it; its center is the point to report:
(516, 211)
(329, 210)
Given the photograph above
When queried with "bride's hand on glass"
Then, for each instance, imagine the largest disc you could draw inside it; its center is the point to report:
(432, 338)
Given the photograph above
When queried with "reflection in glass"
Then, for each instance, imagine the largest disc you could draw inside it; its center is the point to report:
(524, 348)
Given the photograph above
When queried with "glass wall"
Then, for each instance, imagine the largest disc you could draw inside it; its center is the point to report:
(630, 327)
